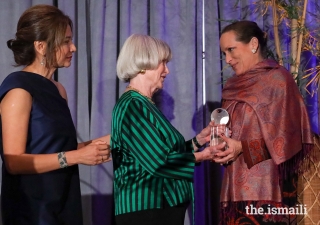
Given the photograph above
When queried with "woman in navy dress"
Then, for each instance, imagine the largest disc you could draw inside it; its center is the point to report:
(39, 149)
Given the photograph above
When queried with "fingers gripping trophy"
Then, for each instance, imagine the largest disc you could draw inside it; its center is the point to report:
(221, 118)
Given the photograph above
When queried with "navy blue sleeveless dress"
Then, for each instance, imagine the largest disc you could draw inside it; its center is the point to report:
(51, 198)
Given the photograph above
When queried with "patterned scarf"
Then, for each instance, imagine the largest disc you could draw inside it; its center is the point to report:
(272, 93)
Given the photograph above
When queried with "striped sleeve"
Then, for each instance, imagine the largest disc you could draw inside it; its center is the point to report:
(189, 146)
(153, 148)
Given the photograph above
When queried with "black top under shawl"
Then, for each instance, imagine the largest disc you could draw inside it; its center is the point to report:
(48, 198)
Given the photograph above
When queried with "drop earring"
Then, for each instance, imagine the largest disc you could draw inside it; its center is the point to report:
(253, 50)
(42, 61)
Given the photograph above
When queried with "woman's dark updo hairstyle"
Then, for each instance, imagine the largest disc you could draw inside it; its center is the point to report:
(245, 30)
(39, 23)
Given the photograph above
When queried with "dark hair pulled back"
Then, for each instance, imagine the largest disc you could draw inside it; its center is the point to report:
(245, 30)
(39, 23)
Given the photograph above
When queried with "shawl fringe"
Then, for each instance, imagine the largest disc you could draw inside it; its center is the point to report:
(299, 163)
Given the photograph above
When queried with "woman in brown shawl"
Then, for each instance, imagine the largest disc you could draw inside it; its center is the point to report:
(271, 134)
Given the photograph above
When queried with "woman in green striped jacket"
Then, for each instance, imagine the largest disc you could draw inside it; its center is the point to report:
(153, 164)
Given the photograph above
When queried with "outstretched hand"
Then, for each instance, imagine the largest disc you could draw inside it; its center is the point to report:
(232, 152)
(95, 153)
(209, 152)
(204, 136)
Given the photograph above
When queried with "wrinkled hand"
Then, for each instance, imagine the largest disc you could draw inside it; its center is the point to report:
(209, 152)
(234, 149)
(95, 153)
(204, 136)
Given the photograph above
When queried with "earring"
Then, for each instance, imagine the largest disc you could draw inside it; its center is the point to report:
(143, 71)
(254, 50)
(42, 61)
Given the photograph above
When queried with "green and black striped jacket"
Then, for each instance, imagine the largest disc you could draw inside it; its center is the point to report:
(151, 159)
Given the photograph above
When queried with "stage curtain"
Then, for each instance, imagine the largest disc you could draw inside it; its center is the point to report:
(191, 90)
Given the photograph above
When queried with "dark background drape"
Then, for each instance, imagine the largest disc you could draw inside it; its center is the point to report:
(191, 91)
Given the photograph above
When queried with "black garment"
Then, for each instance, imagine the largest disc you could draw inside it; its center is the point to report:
(49, 198)
(166, 216)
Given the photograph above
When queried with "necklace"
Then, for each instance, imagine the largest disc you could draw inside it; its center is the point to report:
(136, 90)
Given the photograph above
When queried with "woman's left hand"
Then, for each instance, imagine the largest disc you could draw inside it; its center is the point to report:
(204, 136)
(232, 152)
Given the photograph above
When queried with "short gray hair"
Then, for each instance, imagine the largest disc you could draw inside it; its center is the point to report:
(141, 52)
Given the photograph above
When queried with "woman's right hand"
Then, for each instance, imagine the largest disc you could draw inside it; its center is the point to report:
(231, 153)
(94, 153)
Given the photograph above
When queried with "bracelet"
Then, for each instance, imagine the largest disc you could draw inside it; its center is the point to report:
(196, 143)
(62, 160)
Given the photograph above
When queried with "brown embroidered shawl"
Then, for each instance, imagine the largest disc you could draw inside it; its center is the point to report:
(267, 111)
(271, 92)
